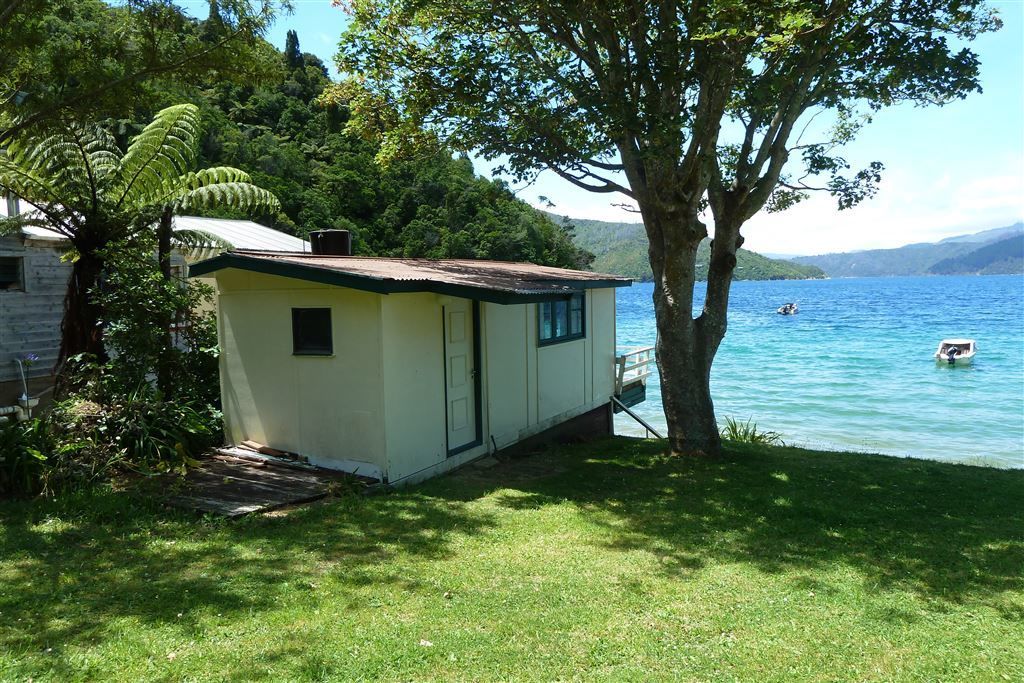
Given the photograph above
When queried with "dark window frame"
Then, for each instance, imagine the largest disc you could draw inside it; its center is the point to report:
(553, 307)
(18, 284)
(301, 345)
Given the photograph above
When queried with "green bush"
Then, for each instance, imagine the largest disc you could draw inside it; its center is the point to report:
(81, 441)
(23, 457)
(747, 432)
(138, 432)
(118, 415)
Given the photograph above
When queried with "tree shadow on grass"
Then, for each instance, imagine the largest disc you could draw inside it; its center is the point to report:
(69, 568)
(949, 533)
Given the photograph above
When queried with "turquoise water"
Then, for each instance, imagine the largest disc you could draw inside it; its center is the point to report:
(854, 369)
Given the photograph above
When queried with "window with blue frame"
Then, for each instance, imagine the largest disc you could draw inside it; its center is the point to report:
(562, 320)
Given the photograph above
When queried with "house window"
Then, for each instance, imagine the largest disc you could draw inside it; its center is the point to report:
(11, 272)
(560, 321)
(311, 332)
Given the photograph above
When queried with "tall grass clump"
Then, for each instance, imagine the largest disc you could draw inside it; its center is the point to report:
(747, 432)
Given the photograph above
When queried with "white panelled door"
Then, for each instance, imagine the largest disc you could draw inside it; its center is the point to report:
(460, 374)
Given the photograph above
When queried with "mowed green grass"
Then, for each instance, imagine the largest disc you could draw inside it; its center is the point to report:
(606, 561)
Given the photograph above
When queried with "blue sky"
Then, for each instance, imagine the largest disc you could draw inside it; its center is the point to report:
(949, 170)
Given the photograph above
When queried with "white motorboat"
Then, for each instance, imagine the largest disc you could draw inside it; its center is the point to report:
(788, 309)
(956, 351)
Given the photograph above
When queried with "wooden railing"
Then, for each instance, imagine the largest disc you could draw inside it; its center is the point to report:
(632, 369)
(634, 364)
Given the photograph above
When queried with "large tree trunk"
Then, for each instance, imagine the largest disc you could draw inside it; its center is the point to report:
(80, 329)
(685, 386)
(687, 344)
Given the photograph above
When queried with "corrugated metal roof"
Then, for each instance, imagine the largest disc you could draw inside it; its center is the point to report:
(31, 231)
(240, 234)
(243, 234)
(498, 281)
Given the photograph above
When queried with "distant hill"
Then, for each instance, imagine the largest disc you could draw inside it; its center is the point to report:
(925, 259)
(621, 248)
(998, 258)
(986, 236)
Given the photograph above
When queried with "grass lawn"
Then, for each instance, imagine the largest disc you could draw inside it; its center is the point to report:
(606, 561)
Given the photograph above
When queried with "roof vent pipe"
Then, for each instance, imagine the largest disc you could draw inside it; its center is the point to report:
(331, 242)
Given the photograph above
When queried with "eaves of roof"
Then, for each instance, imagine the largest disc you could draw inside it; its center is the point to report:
(549, 289)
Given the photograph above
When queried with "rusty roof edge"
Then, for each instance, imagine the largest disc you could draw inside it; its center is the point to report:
(546, 290)
(305, 255)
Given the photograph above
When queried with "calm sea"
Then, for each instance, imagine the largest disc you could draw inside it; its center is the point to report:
(854, 369)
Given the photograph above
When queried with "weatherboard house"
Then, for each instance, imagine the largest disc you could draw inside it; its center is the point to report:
(400, 369)
(34, 278)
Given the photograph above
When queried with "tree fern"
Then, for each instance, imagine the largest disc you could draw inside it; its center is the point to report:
(88, 190)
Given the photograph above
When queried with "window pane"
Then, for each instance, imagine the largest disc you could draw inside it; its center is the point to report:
(576, 315)
(545, 321)
(561, 318)
(10, 272)
(311, 331)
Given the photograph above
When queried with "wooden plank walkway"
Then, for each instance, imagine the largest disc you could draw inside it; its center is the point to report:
(233, 487)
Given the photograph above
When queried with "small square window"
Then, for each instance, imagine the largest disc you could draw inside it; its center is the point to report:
(11, 272)
(560, 321)
(311, 332)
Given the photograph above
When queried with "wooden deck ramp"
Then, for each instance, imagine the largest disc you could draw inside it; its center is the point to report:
(233, 486)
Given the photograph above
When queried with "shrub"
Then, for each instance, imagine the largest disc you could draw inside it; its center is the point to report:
(139, 432)
(747, 432)
(139, 307)
(81, 441)
(150, 408)
(22, 458)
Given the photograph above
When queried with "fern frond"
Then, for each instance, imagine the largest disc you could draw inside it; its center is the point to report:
(221, 174)
(197, 245)
(172, 189)
(242, 196)
(198, 240)
(15, 224)
(165, 149)
(26, 184)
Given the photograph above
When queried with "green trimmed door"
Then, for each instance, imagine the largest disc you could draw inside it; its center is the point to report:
(460, 375)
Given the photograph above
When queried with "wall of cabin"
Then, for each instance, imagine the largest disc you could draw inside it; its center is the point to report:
(379, 399)
(532, 387)
(525, 388)
(30, 314)
(414, 399)
(329, 408)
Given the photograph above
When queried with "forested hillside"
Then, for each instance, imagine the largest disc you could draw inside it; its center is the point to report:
(621, 248)
(429, 206)
(943, 257)
(998, 258)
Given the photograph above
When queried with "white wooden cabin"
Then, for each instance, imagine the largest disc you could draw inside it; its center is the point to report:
(400, 369)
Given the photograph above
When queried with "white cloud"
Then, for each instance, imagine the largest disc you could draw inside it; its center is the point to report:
(911, 206)
(904, 211)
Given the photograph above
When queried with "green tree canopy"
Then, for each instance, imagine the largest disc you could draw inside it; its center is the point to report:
(680, 105)
(84, 60)
(292, 137)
